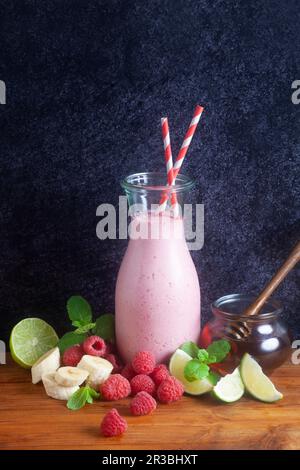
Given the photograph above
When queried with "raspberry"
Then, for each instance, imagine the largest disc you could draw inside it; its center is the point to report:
(170, 390)
(142, 404)
(115, 387)
(113, 359)
(128, 372)
(113, 424)
(143, 362)
(94, 346)
(142, 383)
(159, 374)
(72, 355)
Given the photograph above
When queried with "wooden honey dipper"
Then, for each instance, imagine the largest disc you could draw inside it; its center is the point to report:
(240, 330)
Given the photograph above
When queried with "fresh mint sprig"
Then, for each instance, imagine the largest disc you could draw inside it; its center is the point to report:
(81, 316)
(190, 348)
(219, 350)
(195, 370)
(105, 327)
(85, 328)
(70, 339)
(198, 367)
(81, 397)
(79, 311)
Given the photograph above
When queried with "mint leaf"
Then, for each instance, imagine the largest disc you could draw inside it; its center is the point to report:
(105, 327)
(81, 397)
(79, 310)
(85, 328)
(70, 339)
(89, 399)
(211, 359)
(190, 348)
(213, 377)
(78, 399)
(219, 349)
(195, 370)
(92, 392)
(76, 323)
(203, 355)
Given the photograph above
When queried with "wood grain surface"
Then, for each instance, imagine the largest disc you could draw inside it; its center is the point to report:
(31, 420)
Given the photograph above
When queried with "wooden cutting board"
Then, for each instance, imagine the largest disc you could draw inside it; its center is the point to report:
(31, 420)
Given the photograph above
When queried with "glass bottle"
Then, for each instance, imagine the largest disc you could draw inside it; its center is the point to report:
(157, 292)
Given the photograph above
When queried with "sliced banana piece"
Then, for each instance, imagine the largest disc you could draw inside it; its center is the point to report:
(94, 380)
(93, 363)
(54, 390)
(99, 369)
(49, 362)
(70, 376)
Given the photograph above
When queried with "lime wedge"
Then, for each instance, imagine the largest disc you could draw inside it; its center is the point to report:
(256, 382)
(30, 339)
(230, 388)
(177, 365)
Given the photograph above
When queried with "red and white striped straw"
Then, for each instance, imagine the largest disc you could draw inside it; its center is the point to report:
(169, 162)
(181, 155)
(167, 148)
(187, 140)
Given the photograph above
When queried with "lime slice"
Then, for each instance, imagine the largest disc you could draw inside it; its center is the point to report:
(256, 382)
(230, 388)
(30, 339)
(177, 365)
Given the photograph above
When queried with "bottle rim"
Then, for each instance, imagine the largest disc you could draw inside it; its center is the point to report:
(155, 181)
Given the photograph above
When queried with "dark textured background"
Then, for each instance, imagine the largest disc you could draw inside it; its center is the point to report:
(87, 83)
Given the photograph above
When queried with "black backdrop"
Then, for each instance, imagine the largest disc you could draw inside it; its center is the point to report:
(87, 83)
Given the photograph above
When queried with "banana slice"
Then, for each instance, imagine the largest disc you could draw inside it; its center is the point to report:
(94, 380)
(54, 390)
(70, 376)
(93, 363)
(49, 362)
(99, 369)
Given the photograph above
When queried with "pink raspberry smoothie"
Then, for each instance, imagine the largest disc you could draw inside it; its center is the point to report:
(157, 292)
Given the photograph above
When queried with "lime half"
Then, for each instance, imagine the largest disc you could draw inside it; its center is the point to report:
(177, 364)
(230, 388)
(256, 382)
(30, 339)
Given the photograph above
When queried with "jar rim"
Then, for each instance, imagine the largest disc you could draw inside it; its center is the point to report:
(139, 182)
(273, 306)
